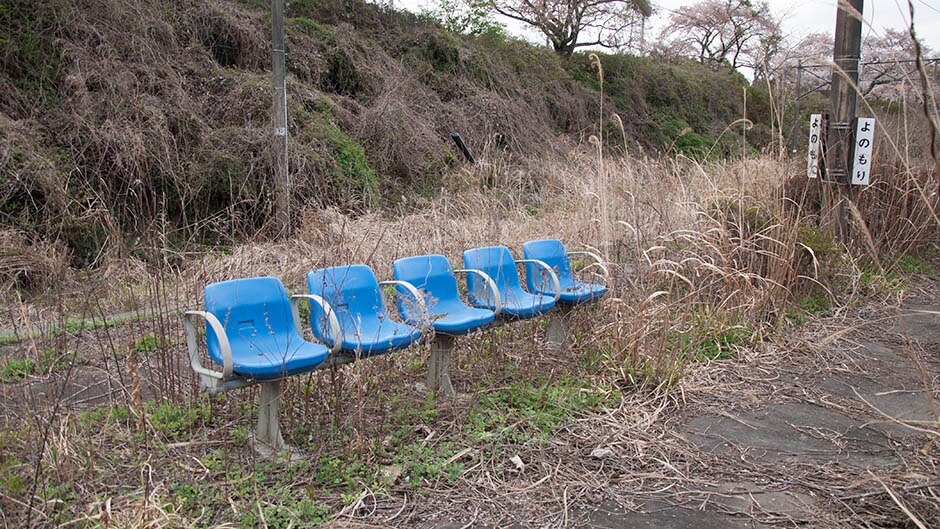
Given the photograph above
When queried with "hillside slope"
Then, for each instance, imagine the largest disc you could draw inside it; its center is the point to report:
(120, 118)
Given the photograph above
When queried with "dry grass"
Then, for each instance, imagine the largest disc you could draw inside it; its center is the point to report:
(657, 217)
(706, 261)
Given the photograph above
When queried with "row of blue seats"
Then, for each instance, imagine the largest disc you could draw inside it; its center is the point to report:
(253, 326)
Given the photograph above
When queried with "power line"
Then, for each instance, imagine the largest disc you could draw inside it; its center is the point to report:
(928, 6)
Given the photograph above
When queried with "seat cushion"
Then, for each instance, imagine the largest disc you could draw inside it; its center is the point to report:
(581, 293)
(256, 316)
(387, 335)
(497, 262)
(519, 304)
(264, 359)
(553, 253)
(462, 320)
(353, 292)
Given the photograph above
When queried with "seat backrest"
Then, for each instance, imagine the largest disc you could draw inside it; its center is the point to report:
(495, 261)
(254, 312)
(431, 274)
(553, 253)
(353, 293)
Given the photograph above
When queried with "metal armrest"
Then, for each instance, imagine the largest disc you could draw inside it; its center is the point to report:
(497, 300)
(224, 346)
(336, 332)
(598, 261)
(551, 273)
(425, 317)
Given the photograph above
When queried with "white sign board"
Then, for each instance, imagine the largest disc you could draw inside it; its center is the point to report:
(864, 144)
(812, 159)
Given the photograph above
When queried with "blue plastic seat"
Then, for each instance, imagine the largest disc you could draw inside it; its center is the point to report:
(497, 262)
(434, 277)
(356, 298)
(553, 253)
(257, 322)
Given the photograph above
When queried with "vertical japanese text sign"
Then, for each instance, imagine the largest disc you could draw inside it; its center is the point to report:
(864, 143)
(812, 159)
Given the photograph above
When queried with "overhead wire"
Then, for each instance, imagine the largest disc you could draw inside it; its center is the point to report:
(928, 6)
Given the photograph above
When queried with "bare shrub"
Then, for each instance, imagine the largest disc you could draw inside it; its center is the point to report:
(32, 267)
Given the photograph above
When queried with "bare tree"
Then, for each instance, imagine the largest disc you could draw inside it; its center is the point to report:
(742, 32)
(570, 24)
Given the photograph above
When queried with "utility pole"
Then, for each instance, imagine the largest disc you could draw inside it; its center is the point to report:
(843, 104)
(744, 125)
(795, 129)
(642, 35)
(279, 66)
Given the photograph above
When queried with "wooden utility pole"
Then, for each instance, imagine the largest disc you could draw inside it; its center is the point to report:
(744, 125)
(795, 129)
(843, 104)
(281, 174)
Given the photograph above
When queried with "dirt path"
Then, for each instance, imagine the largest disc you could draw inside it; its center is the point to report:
(816, 441)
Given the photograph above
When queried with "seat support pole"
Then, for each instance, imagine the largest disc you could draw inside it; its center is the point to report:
(268, 436)
(439, 365)
(556, 333)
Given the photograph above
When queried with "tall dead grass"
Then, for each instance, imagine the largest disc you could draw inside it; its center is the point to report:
(706, 259)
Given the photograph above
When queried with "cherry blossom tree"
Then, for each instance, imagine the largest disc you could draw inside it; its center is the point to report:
(888, 62)
(740, 33)
(570, 24)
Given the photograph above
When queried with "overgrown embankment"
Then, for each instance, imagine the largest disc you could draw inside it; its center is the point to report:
(123, 119)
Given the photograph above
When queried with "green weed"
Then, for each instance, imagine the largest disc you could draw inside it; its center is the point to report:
(426, 462)
(172, 420)
(912, 265)
(215, 461)
(147, 345)
(723, 344)
(710, 336)
(303, 310)
(322, 33)
(644, 372)
(817, 305)
(347, 473)
(16, 369)
(285, 510)
(525, 411)
(11, 481)
(892, 278)
(418, 365)
(259, 488)
(591, 359)
(241, 435)
(878, 281)
(419, 459)
(334, 154)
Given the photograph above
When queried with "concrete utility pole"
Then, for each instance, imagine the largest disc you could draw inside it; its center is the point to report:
(281, 175)
(843, 104)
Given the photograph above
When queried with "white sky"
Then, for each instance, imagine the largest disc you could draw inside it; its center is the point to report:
(800, 17)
